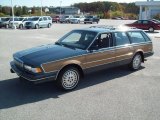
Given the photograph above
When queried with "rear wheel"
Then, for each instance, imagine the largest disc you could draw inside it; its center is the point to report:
(68, 78)
(136, 62)
(151, 29)
(49, 25)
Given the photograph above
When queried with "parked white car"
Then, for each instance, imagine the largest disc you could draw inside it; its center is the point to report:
(77, 19)
(18, 22)
(38, 22)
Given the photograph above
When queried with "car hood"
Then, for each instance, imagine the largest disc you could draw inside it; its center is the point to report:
(46, 53)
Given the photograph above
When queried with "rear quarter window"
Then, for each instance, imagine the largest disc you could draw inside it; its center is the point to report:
(136, 37)
(49, 18)
(146, 37)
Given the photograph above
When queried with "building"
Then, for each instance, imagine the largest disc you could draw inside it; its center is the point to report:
(148, 9)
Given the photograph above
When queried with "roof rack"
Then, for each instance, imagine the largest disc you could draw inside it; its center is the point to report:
(107, 27)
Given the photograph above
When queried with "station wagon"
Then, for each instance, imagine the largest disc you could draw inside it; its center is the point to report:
(82, 51)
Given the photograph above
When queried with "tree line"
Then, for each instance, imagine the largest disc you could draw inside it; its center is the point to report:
(102, 9)
(109, 9)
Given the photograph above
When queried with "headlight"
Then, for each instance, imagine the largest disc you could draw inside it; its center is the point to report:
(34, 70)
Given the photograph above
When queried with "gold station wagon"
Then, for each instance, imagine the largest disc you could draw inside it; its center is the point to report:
(81, 51)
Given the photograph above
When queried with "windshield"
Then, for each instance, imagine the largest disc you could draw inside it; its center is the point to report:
(76, 16)
(89, 16)
(80, 39)
(33, 19)
(20, 19)
(15, 19)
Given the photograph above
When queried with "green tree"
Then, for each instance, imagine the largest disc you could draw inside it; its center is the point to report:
(24, 10)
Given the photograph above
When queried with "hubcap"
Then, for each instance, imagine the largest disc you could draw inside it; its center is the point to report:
(136, 61)
(70, 79)
(151, 29)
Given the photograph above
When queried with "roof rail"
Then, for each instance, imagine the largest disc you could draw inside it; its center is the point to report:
(104, 27)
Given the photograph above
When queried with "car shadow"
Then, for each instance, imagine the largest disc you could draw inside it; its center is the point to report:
(15, 93)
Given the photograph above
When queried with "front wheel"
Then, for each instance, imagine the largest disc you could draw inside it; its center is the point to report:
(36, 26)
(21, 26)
(136, 62)
(68, 78)
(7, 26)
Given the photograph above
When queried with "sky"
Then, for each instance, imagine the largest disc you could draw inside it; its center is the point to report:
(54, 3)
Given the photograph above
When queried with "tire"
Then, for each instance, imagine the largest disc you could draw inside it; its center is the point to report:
(36, 26)
(7, 26)
(49, 25)
(136, 62)
(68, 78)
(21, 26)
(151, 29)
(84, 22)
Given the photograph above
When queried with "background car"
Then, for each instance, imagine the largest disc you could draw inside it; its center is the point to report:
(91, 19)
(65, 19)
(5, 22)
(18, 22)
(55, 19)
(145, 25)
(39, 22)
(77, 19)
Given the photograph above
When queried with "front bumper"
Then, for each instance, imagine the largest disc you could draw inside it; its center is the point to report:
(37, 78)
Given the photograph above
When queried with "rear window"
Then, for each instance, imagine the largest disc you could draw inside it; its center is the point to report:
(146, 37)
(136, 37)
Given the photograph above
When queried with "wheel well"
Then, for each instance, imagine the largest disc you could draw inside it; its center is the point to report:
(141, 53)
(72, 65)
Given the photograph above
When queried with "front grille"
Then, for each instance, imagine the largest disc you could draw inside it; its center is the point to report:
(86, 19)
(18, 63)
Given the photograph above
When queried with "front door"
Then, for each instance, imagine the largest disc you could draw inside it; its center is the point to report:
(101, 52)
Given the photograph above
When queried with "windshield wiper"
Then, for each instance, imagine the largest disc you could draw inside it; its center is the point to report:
(58, 43)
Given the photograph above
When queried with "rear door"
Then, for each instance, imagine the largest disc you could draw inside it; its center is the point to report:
(45, 22)
(101, 53)
(123, 50)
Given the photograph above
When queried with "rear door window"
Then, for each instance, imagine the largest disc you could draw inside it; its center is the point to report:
(136, 37)
(121, 38)
(44, 18)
